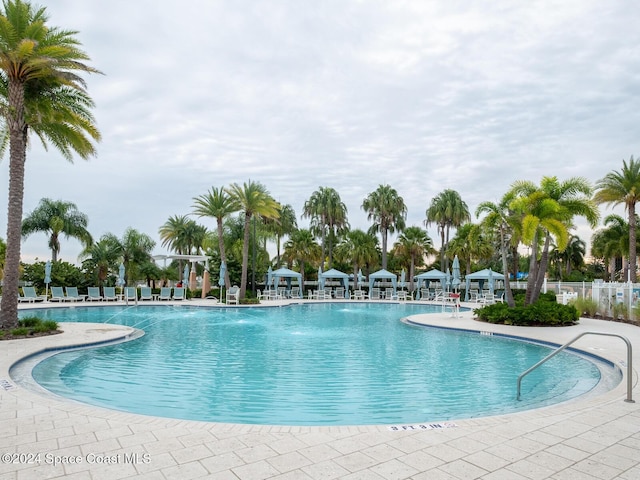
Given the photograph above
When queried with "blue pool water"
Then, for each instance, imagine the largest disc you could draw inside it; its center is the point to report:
(308, 364)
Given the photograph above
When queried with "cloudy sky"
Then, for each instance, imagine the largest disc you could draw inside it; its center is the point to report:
(418, 94)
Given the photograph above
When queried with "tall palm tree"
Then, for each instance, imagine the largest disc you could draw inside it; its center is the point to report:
(254, 200)
(547, 212)
(501, 218)
(136, 248)
(36, 62)
(471, 243)
(360, 249)
(328, 215)
(611, 242)
(301, 248)
(447, 210)
(56, 217)
(623, 187)
(415, 243)
(388, 212)
(283, 226)
(218, 204)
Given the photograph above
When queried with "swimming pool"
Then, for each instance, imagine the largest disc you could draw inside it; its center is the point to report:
(307, 364)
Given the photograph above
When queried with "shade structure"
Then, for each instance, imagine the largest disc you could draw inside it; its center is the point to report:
(486, 275)
(433, 275)
(333, 273)
(383, 275)
(455, 281)
(288, 275)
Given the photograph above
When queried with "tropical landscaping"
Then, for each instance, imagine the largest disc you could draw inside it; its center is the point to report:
(43, 95)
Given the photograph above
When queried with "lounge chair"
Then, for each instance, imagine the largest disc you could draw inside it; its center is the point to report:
(73, 295)
(165, 293)
(233, 295)
(29, 295)
(375, 294)
(94, 294)
(359, 295)
(131, 294)
(109, 293)
(178, 293)
(57, 294)
(145, 293)
(390, 295)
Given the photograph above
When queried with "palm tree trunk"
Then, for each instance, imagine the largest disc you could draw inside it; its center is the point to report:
(542, 268)
(17, 157)
(632, 241)
(245, 255)
(533, 269)
(507, 284)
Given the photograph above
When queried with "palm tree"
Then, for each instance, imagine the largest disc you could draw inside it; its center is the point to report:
(285, 225)
(611, 242)
(415, 243)
(623, 187)
(328, 216)
(548, 211)
(471, 243)
(388, 212)
(360, 249)
(447, 209)
(136, 250)
(254, 200)
(37, 62)
(56, 217)
(301, 248)
(218, 204)
(103, 258)
(499, 217)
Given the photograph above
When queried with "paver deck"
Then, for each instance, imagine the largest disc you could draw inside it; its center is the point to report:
(597, 437)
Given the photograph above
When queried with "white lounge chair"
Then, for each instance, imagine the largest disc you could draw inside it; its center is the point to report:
(233, 295)
(73, 295)
(165, 293)
(109, 293)
(94, 294)
(145, 293)
(57, 294)
(178, 293)
(131, 294)
(29, 295)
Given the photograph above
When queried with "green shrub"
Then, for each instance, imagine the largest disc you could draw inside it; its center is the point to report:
(20, 332)
(620, 311)
(543, 312)
(29, 322)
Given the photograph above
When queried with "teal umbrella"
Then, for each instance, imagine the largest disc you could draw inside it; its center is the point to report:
(47, 277)
(121, 275)
(185, 275)
(403, 282)
(455, 283)
(223, 272)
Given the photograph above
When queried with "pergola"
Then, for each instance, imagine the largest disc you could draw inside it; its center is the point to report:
(193, 259)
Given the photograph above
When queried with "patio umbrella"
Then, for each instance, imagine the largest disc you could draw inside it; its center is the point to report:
(456, 273)
(361, 277)
(447, 279)
(223, 272)
(269, 277)
(47, 277)
(185, 275)
(320, 278)
(403, 274)
(121, 275)
(491, 281)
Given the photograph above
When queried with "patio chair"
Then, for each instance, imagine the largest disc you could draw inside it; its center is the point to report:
(94, 294)
(73, 295)
(179, 293)
(375, 294)
(57, 294)
(233, 295)
(109, 294)
(165, 293)
(131, 294)
(29, 295)
(390, 295)
(145, 293)
(339, 292)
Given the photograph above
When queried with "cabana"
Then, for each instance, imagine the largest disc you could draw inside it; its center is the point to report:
(288, 275)
(383, 275)
(434, 275)
(333, 273)
(483, 275)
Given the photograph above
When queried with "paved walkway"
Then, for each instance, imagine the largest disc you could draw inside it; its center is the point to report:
(42, 436)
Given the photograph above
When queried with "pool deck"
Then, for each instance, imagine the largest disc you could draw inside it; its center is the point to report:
(597, 437)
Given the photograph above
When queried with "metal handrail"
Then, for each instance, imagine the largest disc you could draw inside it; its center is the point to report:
(559, 349)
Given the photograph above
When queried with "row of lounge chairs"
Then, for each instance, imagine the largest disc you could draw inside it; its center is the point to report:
(70, 294)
